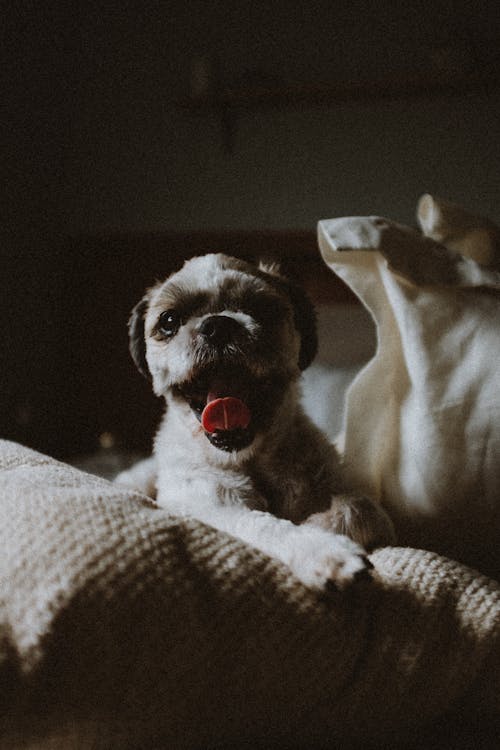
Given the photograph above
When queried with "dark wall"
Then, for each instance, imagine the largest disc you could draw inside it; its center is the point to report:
(100, 140)
(97, 139)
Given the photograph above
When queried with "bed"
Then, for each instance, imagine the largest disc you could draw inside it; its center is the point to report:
(126, 627)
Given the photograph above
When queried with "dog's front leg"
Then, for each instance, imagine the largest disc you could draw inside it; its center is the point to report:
(318, 558)
(359, 518)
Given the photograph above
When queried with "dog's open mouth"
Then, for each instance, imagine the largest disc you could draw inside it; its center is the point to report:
(229, 405)
(225, 413)
(227, 419)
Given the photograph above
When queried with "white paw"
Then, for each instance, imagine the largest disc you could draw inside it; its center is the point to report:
(325, 561)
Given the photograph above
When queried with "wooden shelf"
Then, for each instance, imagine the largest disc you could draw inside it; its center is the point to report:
(335, 93)
(227, 102)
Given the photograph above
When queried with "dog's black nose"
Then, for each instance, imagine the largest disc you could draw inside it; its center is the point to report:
(219, 329)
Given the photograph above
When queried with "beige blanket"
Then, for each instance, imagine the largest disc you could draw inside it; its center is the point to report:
(125, 627)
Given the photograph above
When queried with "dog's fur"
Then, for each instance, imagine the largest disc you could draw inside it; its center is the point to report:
(275, 483)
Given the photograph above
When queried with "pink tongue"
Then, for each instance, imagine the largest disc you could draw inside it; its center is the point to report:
(225, 414)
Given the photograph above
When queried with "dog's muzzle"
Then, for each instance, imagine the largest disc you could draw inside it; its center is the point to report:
(226, 416)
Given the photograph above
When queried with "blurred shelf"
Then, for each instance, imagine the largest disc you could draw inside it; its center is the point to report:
(393, 87)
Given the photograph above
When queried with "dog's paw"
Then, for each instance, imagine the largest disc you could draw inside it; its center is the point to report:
(325, 562)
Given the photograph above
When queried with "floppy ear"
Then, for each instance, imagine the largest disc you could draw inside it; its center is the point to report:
(137, 343)
(304, 314)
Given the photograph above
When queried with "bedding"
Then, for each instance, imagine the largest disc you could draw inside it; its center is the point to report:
(421, 427)
(125, 627)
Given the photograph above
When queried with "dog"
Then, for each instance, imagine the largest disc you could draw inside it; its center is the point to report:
(224, 342)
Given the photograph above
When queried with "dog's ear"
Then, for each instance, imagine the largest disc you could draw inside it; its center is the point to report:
(270, 266)
(304, 314)
(137, 342)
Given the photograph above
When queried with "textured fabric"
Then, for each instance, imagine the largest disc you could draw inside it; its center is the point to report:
(125, 627)
(422, 419)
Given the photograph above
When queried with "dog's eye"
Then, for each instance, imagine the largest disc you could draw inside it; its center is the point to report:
(168, 323)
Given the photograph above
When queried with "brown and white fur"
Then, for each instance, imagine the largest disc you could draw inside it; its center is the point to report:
(224, 327)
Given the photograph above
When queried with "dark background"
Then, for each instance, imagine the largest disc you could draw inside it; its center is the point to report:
(138, 133)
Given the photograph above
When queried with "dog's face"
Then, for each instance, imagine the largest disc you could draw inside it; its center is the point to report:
(222, 341)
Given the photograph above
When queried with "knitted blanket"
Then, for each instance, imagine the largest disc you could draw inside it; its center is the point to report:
(125, 627)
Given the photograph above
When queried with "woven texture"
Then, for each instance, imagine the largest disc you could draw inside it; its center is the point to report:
(125, 627)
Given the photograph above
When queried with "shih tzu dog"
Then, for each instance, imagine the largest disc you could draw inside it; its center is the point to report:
(224, 342)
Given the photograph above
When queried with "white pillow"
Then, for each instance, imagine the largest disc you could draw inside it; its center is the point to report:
(422, 419)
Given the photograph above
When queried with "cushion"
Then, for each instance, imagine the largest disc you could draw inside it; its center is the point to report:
(422, 419)
(126, 627)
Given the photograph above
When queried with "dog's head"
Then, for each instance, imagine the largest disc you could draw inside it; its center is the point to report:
(222, 341)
